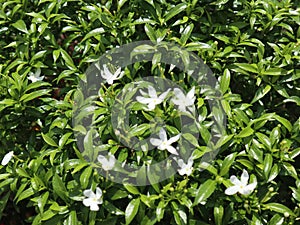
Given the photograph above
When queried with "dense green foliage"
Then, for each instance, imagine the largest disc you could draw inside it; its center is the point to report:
(252, 47)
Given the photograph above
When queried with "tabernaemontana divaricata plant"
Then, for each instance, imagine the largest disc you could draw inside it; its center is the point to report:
(226, 153)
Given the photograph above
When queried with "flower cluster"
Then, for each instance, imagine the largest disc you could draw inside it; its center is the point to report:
(151, 99)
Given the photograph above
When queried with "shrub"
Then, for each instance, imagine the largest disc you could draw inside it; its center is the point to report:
(252, 49)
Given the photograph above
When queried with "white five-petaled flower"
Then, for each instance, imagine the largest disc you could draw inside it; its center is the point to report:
(240, 186)
(7, 158)
(92, 199)
(34, 77)
(153, 99)
(163, 143)
(185, 168)
(183, 101)
(108, 162)
(110, 77)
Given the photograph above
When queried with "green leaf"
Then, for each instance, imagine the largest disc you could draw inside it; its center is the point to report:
(85, 177)
(131, 210)
(160, 210)
(68, 60)
(72, 219)
(218, 214)
(246, 132)
(38, 55)
(59, 187)
(264, 140)
(277, 220)
(55, 54)
(274, 72)
(132, 189)
(204, 191)
(150, 32)
(49, 140)
(186, 34)
(274, 172)
(247, 67)
(21, 26)
(280, 208)
(34, 95)
(284, 122)
(290, 169)
(225, 81)
(93, 33)
(227, 164)
(25, 194)
(261, 92)
(268, 162)
(174, 11)
(112, 209)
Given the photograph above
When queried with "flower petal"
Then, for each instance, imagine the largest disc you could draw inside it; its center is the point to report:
(98, 193)
(155, 141)
(178, 93)
(172, 150)
(94, 207)
(7, 158)
(162, 134)
(152, 92)
(180, 163)
(248, 189)
(163, 95)
(88, 202)
(234, 180)
(174, 139)
(89, 193)
(232, 190)
(191, 93)
(190, 161)
(143, 100)
(244, 177)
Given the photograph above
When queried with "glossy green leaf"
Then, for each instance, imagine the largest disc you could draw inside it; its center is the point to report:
(280, 208)
(131, 210)
(21, 26)
(59, 187)
(204, 191)
(175, 11)
(225, 81)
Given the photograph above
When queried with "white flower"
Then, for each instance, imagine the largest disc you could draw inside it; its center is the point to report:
(7, 158)
(153, 99)
(163, 143)
(109, 77)
(107, 163)
(93, 199)
(240, 186)
(185, 168)
(184, 101)
(34, 77)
